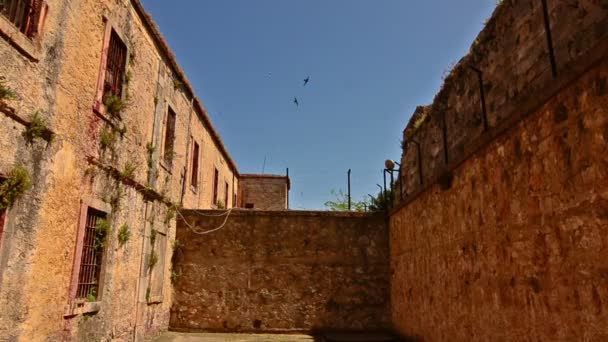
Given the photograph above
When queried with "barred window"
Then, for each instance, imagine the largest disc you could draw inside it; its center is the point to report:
(226, 195)
(24, 14)
(216, 178)
(115, 67)
(169, 137)
(92, 255)
(195, 156)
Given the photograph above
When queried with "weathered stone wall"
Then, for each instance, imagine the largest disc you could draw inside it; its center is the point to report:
(512, 57)
(265, 192)
(505, 241)
(281, 271)
(56, 74)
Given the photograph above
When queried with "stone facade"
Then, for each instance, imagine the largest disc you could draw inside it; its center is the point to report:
(501, 225)
(512, 60)
(123, 163)
(264, 192)
(281, 271)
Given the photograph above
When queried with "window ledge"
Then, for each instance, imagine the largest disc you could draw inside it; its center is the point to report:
(81, 308)
(20, 41)
(155, 300)
(165, 166)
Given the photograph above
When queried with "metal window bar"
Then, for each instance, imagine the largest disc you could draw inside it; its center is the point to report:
(90, 262)
(115, 67)
(20, 13)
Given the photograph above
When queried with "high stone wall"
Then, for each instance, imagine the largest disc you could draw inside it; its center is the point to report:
(281, 271)
(505, 239)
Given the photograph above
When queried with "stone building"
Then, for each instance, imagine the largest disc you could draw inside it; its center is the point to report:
(265, 192)
(100, 120)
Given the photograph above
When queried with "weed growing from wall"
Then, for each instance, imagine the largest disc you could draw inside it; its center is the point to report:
(37, 129)
(171, 211)
(17, 183)
(124, 235)
(114, 105)
(175, 275)
(102, 230)
(107, 138)
(92, 296)
(153, 259)
(6, 93)
(178, 85)
(128, 171)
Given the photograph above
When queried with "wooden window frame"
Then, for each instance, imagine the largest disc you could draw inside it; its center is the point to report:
(98, 106)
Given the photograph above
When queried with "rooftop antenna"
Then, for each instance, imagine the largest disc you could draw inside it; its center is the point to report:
(264, 165)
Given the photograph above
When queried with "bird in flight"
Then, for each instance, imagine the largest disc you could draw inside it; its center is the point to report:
(306, 80)
(295, 100)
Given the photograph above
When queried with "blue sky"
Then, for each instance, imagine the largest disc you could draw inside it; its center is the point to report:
(370, 62)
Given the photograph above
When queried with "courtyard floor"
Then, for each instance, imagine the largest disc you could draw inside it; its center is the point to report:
(204, 337)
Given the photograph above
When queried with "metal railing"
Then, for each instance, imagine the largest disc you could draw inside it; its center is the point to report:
(20, 13)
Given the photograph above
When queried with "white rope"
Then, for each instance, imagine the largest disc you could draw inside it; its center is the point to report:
(213, 215)
(199, 232)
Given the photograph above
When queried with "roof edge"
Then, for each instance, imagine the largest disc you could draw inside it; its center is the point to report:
(168, 54)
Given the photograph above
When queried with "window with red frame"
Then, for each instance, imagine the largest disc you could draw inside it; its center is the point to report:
(115, 67)
(216, 178)
(92, 255)
(24, 14)
(169, 137)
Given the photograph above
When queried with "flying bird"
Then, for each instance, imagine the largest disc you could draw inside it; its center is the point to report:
(306, 80)
(295, 100)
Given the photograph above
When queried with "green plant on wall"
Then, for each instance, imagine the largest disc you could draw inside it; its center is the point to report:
(37, 129)
(128, 170)
(107, 138)
(153, 260)
(175, 275)
(171, 211)
(102, 230)
(124, 234)
(114, 105)
(177, 246)
(92, 296)
(6, 93)
(417, 124)
(341, 203)
(17, 183)
(177, 84)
